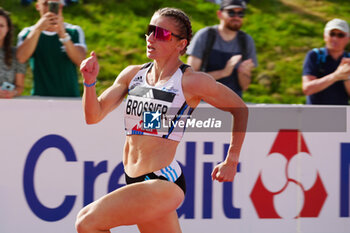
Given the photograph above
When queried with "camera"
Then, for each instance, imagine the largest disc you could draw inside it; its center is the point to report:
(54, 6)
(7, 86)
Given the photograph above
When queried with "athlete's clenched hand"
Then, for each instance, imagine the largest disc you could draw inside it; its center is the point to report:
(89, 68)
(224, 172)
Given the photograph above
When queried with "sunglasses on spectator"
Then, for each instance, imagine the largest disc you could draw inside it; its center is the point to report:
(160, 33)
(339, 35)
(232, 13)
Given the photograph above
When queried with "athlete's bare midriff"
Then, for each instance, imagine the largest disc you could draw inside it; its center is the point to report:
(144, 154)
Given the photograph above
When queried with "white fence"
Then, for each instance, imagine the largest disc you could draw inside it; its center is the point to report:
(291, 178)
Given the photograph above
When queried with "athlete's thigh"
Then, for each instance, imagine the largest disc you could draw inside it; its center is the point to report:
(168, 223)
(136, 203)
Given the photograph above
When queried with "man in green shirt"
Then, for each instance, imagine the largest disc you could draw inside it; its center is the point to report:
(55, 49)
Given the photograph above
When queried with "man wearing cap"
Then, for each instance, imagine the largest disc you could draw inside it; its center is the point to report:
(55, 50)
(231, 55)
(326, 71)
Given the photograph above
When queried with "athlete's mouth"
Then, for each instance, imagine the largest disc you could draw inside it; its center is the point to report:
(150, 47)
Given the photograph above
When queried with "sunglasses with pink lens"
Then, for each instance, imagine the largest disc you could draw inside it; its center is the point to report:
(160, 33)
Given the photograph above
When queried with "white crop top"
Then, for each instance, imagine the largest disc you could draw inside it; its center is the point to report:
(162, 106)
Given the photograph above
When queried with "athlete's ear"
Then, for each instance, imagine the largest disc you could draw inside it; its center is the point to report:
(182, 45)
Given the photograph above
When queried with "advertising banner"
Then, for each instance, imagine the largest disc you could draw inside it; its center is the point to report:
(293, 174)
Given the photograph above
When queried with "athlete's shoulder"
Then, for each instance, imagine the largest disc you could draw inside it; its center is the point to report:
(191, 75)
(193, 80)
(133, 68)
(128, 73)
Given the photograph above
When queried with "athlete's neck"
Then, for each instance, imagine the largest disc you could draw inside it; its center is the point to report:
(161, 72)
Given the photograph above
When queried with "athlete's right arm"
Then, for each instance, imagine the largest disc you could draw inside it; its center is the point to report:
(96, 108)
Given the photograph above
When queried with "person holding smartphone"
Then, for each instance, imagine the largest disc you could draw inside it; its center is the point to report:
(11, 71)
(55, 50)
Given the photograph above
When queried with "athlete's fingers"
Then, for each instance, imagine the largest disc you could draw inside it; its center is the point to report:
(213, 174)
(93, 54)
(89, 64)
(95, 62)
(219, 176)
(83, 65)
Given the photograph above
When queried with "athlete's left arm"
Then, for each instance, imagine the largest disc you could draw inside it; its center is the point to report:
(198, 85)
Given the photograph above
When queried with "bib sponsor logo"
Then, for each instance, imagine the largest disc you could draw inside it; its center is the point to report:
(171, 89)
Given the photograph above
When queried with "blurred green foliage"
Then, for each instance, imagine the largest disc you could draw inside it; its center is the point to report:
(283, 30)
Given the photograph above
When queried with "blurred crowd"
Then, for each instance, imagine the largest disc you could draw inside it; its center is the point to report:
(54, 50)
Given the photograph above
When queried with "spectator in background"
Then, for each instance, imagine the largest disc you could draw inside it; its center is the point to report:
(224, 51)
(55, 49)
(11, 71)
(326, 71)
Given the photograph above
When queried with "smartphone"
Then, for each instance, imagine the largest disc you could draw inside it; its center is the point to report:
(54, 6)
(7, 86)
